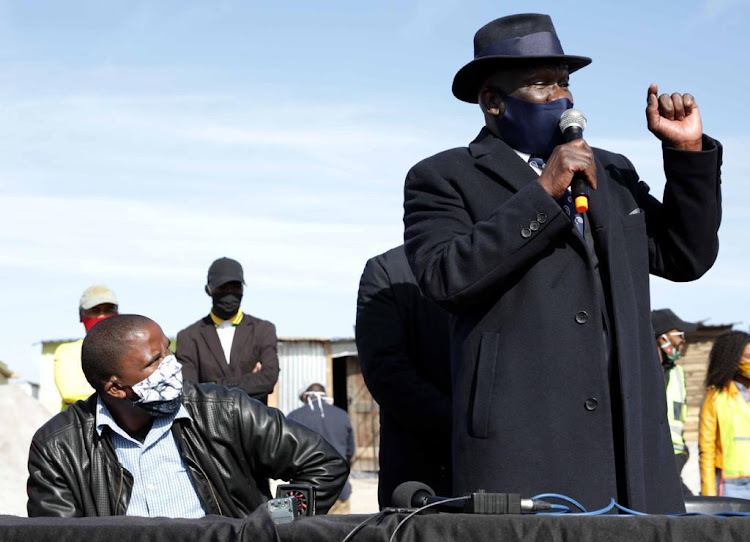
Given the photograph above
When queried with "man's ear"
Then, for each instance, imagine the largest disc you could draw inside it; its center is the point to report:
(207, 288)
(491, 101)
(113, 388)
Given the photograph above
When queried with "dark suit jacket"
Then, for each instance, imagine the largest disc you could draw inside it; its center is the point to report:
(533, 398)
(402, 340)
(202, 357)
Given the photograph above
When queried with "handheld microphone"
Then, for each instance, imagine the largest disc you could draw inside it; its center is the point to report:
(572, 123)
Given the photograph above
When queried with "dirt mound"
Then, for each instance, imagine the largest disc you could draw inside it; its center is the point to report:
(21, 415)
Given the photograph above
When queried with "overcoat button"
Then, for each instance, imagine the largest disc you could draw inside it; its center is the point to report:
(534, 225)
(541, 218)
(526, 232)
(582, 317)
(591, 403)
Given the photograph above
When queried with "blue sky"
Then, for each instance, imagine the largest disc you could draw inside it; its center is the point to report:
(140, 140)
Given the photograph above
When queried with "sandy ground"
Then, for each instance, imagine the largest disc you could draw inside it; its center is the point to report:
(22, 415)
(364, 498)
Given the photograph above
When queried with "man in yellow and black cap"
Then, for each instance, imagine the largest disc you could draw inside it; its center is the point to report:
(230, 347)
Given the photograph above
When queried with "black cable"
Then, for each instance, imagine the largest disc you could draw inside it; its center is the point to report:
(418, 510)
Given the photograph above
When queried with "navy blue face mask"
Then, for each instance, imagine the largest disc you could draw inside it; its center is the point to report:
(532, 127)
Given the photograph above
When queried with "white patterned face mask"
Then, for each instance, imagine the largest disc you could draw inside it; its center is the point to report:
(161, 393)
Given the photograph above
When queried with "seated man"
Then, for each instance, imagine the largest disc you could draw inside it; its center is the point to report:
(145, 444)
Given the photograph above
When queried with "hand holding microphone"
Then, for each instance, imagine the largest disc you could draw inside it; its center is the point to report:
(572, 123)
(571, 164)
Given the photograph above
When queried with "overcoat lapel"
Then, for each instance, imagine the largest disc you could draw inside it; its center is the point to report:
(495, 156)
(208, 330)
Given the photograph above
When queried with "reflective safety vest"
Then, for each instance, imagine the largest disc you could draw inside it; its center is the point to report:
(733, 417)
(69, 377)
(677, 407)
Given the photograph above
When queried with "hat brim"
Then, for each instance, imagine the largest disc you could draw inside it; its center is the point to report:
(221, 281)
(467, 81)
(682, 325)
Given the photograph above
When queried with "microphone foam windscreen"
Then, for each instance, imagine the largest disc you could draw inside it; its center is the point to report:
(405, 492)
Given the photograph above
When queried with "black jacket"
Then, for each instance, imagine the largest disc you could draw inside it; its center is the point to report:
(536, 406)
(231, 447)
(402, 340)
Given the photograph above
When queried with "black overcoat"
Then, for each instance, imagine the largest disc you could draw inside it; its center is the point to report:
(533, 401)
(402, 341)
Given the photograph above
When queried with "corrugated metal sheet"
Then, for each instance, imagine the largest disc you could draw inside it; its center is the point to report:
(301, 364)
(343, 347)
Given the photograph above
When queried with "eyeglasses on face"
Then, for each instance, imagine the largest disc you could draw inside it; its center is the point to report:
(680, 334)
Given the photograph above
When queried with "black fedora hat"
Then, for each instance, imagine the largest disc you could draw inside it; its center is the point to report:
(511, 41)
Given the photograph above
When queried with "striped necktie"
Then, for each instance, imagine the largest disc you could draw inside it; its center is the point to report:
(566, 201)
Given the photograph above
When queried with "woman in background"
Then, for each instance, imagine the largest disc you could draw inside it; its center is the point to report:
(724, 439)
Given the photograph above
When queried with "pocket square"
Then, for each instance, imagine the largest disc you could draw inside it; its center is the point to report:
(636, 211)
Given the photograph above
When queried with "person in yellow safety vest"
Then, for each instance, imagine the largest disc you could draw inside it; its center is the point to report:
(97, 303)
(724, 437)
(670, 337)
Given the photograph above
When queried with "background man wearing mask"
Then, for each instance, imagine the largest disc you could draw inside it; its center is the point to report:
(670, 339)
(97, 303)
(229, 347)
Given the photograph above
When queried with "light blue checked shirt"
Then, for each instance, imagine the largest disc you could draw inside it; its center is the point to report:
(162, 486)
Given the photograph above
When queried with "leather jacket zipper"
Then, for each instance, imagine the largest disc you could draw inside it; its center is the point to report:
(210, 487)
(119, 491)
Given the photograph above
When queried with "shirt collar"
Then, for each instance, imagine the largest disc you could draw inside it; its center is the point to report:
(525, 157)
(234, 320)
(104, 417)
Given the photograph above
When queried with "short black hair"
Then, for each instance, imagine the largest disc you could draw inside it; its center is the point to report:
(103, 347)
(725, 358)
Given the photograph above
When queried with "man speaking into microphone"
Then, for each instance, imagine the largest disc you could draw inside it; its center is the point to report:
(556, 383)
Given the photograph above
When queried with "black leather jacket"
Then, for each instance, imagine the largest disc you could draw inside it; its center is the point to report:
(232, 446)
